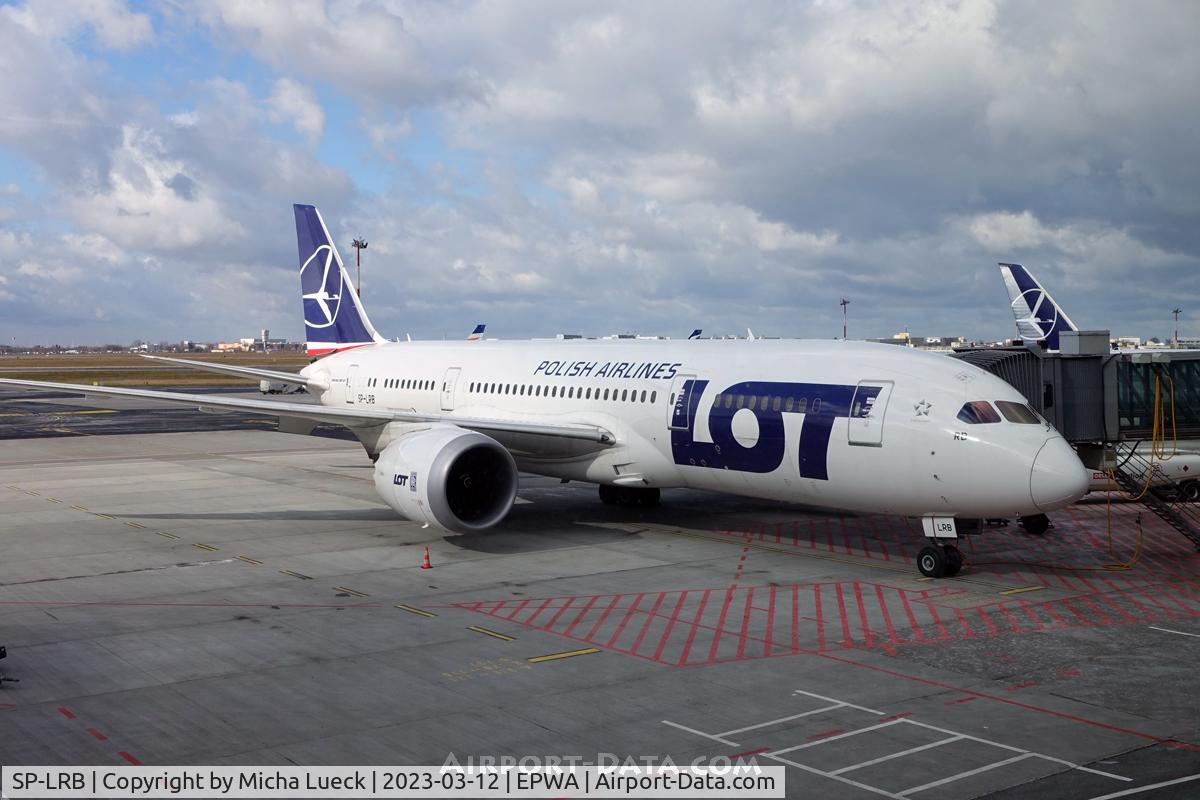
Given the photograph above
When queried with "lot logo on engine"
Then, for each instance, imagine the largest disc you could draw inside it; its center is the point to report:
(400, 480)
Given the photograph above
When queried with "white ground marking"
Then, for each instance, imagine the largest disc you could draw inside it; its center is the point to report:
(951, 736)
(1181, 633)
(1140, 789)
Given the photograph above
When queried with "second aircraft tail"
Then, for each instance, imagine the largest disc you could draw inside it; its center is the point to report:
(1039, 318)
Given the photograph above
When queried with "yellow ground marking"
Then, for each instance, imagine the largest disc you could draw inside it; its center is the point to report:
(32, 492)
(353, 592)
(53, 500)
(296, 575)
(418, 611)
(135, 524)
(587, 651)
(14, 488)
(79, 508)
(1023, 589)
(98, 514)
(493, 634)
(92, 411)
(167, 535)
(249, 560)
(208, 547)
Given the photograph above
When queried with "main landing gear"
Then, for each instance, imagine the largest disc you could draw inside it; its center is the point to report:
(637, 496)
(942, 561)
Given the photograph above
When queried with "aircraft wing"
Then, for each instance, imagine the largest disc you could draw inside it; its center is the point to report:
(351, 417)
(242, 372)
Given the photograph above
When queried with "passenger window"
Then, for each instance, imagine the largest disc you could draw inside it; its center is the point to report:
(1017, 412)
(978, 412)
(606, 394)
(816, 409)
(787, 405)
(643, 395)
(778, 402)
(750, 402)
(587, 393)
(653, 397)
(623, 393)
(717, 401)
(729, 401)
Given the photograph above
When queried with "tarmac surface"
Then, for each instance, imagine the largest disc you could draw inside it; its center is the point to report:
(224, 594)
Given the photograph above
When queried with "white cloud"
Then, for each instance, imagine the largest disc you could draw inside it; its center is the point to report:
(297, 105)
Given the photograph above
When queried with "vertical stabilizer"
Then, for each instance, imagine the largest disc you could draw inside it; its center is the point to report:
(1039, 318)
(334, 318)
(477, 334)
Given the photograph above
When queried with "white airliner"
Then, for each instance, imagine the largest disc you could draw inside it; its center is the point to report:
(846, 425)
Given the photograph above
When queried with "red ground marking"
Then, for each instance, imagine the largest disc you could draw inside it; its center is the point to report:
(65, 603)
(1068, 672)
(986, 620)
(518, 609)
(670, 624)
(770, 623)
(129, 758)
(1008, 616)
(887, 618)
(66, 713)
(741, 648)
(539, 610)
(961, 700)
(912, 620)
(7, 706)
(1017, 703)
(962, 620)
(96, 734)
(846, 640)
(625, 620)
(868, 640)
(559, 613)
(603, 617)
(1087, 601)
(901, 715)
(1018, 686)
(687, 646)
(579, 617)
(820, 617)
(1029, 612)
(825, 734)
(712, 651)
(749, 753)
(650, 621)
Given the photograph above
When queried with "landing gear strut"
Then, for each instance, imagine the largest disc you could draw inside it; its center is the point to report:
(939, 562)
(640, 496)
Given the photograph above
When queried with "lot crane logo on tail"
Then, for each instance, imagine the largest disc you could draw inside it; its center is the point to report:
(330, 324)
(1038, 317)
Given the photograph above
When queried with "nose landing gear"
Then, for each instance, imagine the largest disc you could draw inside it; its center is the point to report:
(943, 561)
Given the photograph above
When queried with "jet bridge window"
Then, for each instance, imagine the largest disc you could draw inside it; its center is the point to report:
(978, 412)
(1017, 412)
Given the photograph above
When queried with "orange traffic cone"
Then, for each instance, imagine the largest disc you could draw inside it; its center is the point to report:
(425, 564)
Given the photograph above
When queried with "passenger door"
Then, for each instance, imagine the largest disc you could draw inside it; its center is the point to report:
(867, 409)
(448, 384)
(680, 413)
(351, 376)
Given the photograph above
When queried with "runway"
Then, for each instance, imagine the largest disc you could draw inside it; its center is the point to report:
(220, 593)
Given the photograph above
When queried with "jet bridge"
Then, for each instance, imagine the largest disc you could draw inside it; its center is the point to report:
(1108, 402)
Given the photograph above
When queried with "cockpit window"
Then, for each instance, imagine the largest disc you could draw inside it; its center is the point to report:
(1017, 412)
(978, 412)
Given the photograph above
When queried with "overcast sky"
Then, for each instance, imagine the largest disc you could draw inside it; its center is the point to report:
(597, 167)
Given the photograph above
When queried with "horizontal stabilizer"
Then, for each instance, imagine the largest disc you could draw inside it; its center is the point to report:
(250, 373)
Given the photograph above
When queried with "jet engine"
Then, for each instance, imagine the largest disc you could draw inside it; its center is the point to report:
(457, 480)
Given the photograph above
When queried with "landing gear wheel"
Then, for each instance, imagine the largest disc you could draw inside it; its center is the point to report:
(1037, 524)
(631, 496)
(1189, 492)
(932, 562)
(954, 560)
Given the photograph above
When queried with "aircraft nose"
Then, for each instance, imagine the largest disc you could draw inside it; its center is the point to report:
(1058, 478)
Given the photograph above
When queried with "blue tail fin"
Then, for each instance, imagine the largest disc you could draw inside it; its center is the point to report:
(477, 334)
(334, 318)
(1039, 319)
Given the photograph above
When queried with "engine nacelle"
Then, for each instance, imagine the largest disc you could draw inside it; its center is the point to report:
(457, 480)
